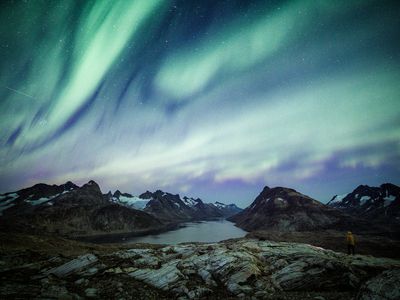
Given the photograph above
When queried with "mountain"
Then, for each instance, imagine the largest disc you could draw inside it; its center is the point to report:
(166, 206)
(379, 203)
(25, 200)
(128, 200)
(172, 208)
(227, 210)
(72, 212)
(286, 209)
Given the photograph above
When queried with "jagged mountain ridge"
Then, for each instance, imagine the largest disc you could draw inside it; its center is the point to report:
(228, 210)
(72, 210)
(167, 206)
(380, 203)
(20, 201)
(286, 209)
(79, 211)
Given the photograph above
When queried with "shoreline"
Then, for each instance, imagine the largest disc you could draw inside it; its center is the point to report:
(122, 237)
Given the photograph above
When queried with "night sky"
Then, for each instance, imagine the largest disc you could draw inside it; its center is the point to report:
(212, 99)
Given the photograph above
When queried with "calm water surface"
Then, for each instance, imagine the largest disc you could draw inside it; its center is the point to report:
(204, 231)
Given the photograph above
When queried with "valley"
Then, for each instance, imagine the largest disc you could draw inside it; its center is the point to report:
(163, 246)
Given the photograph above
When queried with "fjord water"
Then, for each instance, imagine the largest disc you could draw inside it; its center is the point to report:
(203, 231)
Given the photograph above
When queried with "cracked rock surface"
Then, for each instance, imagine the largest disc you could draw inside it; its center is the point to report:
(235, 269)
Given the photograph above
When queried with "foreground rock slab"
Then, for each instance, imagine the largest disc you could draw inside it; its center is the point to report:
(236, 269)
(73, 265)
(383, 286)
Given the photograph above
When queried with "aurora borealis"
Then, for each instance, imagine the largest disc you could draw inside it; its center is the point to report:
(205, 98)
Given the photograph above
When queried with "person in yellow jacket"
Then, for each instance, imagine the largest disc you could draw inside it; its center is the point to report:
(350, 243)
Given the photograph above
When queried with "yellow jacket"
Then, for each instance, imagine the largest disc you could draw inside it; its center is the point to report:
(350, 239)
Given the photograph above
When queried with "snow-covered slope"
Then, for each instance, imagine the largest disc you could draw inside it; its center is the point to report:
(191, 202)
(128, 200)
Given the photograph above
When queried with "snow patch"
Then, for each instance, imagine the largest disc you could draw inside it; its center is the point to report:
(266, 200)
(221, 205)
(13, 196)
(133, 202)
(7, 203)
(44, 199)
(39, 201)
(189, 201)
(338, 198)
(364, 199)
(388, 200)
(4, 207)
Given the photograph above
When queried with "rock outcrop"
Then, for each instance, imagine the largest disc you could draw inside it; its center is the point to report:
(245, 269)
(384, 286)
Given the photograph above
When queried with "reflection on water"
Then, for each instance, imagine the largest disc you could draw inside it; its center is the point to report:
(205, 231)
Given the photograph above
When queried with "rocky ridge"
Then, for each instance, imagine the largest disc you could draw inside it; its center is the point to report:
(73, 211)
(79, 211)
(245, 269)
(172, 208)
(227, 210)
(286, 209)
(379, 203)
(24, 200)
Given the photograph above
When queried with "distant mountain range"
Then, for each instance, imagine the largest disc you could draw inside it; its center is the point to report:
(378, 203)
(70, 210)
(284, 209)
(166, 206)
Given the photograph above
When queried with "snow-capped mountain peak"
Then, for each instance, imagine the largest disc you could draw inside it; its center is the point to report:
(372, 202)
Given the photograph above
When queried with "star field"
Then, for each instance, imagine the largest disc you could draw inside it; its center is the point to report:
(206, 98)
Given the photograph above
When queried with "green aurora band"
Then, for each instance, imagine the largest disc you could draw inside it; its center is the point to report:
(210, 98)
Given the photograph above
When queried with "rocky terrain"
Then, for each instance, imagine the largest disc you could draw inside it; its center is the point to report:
(285, 256)
(366, 243)
(285, 209)
(382, 204)
(233, 269)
